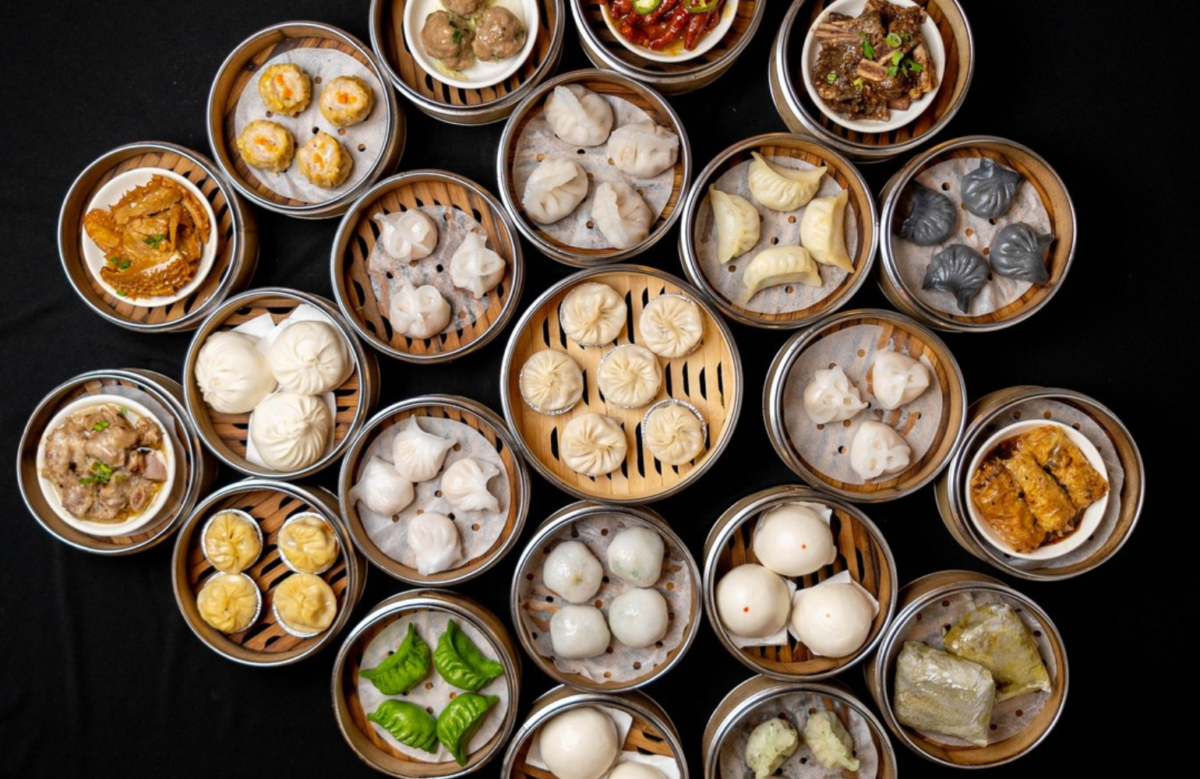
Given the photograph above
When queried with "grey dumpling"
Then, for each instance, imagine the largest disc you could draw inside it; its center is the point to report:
(959, 270)
(988, 190)
(1019, 252)
(932, 218)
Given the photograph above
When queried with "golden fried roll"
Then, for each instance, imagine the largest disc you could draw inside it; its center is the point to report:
(346, 100)
(1070, 468)
(285, 89)
(1047, 501)
(324, 161)
(1041, 442)
(998, 500)
(267, 145)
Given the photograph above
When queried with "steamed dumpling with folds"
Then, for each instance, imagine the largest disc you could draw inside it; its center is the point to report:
(780, 265)
(464, 485)
(823, 231)
(932, 218)
(229, 602)
(305, 604)
(592, 314)
(231, 542)
(621, 215)
(407, 235)
(474, 267)
(555, 188)
(434, 541)
(324, 161)
(267, 145)
(897, 379)
(418, 312)
(593, 444)
(551, 382)
(643, 149)
(737, 221)
(310, 358)
(830, 742)
(988, 191)
(578, 115)
(290, 432)
(346, 101)
(233, 375)
(831, 397)
(417, 455)
(674, 433)
(780, 188)
(629, 376)
(308, 544)
(383, 489)
(284, 88)
(671, 326)
(878, 450)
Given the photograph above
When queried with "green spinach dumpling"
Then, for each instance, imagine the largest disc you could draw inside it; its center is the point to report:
(461, 663)
(460, 720)
(408, 723)
(404, 668)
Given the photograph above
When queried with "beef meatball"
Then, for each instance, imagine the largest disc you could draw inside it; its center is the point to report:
(499, 34)
(464, 7)
(448, 38)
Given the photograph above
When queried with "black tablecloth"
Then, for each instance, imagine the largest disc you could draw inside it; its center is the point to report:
(100, 675)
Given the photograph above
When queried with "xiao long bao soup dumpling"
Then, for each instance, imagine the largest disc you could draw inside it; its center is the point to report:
(324, 161)
(305, 605)
(581, 743)
(592, 314)
(307, 544)
(346, 101)
(573, 572)
(638, 617)
(674, 432)
(752, 601)
(310, 358)
(636, 556)
(792, 540)
(551, 382)
(231, 541)
(579, 632)
(593, 445)
(285, 88)
(290, 432)
(671, 326)
(267, 146)
(629, 376)
(233, 375)
(229, 602)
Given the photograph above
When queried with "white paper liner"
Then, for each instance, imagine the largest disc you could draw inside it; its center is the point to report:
(624, 722)
(796, 707)
(390, 533)
(929, 626)
(826, 448)
(453, 227)
(434, 691)
(538, 142)
(539, 603)
(781, 225)
(976, 232)
(326, 64)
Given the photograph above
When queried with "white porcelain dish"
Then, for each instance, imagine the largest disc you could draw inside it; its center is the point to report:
(481, 74)
(676, 52)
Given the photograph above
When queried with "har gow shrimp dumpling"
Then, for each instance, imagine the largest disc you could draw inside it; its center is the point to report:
(418, 312)
(897, 379)
(831, 397)
(233, 375)
(407, 235)
(636, 556)
(267, 145)
(285, 88)
(231, 541)
(464, 485)
(346, 101)
(229, 602)
(593, 444)
(324, 161)
(671, 326)
(555, 188)
(305, 605)
(592, 314)
(290, 431)
(310, 358)
(307, 544)
(474, 267)
(435, 541)
(578, 115)
(383, 489)
(551, 382)
(573, 572)
(878, 450)
(417, 455)
(579, 632)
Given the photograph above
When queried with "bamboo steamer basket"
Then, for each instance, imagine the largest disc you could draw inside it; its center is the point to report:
(799, 113)
(607, 84)
(225, 435)
(880, 671)
(710, 378)
(671, 78)
(1006, 407)
(861, 549)
(652, 732)
(919, 342)
(237, 73)
(359, 232)
(761, 692)
(1054, 197)
(861, 202)
(270, 503)
(195, 467)
(368, 745)
(454, 104)
(237, 236)
(486, 423)
(528, 617)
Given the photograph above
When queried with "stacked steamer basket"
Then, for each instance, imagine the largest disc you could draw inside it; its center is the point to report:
(801, 114)
(374, 146)
(459, 105)
(669, 74)
(232, 263)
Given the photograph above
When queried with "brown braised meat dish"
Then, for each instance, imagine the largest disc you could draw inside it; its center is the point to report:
(498, 34)
(152, 238)
(448, 38)
(105, 466)
(874, 63)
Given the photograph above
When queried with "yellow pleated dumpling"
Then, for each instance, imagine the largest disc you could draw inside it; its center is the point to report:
(346, 101)
(305, 604)
(823, 231)
(780, 188)
(232, 542)
(307, 544)
(737, 221)
(267, 145)
(229, 602)
(780, 265)
(285, 88)
(324, 161)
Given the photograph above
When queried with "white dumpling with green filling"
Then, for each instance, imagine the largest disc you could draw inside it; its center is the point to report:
(770, 743)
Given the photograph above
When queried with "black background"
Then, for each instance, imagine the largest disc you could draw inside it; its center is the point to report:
(99, 674)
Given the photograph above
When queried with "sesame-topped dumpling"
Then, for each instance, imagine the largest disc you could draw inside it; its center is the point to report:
(267, 145)
(285, 89)
(346, 100)
(324, 161)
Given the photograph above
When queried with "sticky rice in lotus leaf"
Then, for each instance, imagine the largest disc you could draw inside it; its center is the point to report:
(940, 693)
(994, 636)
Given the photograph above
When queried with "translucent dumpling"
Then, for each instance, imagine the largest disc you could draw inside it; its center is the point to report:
(638, 617)
(417, 455)
(897, 379)
(572, 572)
(435, 542)
(830, 396)
(578, 632)
(464, 485)
(635, 555)
(878, 450)
(382, 488)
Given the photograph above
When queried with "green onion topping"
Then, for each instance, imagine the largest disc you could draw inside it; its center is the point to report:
(896, 57)
(831, 78)
(125, 265)
(100, 426)
(913, 67)
(155, 241)
(893, 40)
(867, 48)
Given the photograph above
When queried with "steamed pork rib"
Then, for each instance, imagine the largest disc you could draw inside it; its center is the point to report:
(1001, 504)
(1047, 501)
(1055, 452)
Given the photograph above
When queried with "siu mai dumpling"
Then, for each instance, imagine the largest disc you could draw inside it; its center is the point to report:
(285, 88)
(994, 636)
(267, 145)
(346, 101)
(324, 161)
(940, 693)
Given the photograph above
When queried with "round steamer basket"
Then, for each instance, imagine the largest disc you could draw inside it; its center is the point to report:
(861, 550)
(857, 337)
(512, 149)
(195, 468)
(605, 51)
(697, 234)
(374, 749)
(760, 698)
(491, 428)
(454, 104)
(238, 73)
(800, 114)
(1007, 407)
(1050, 191)
(237, 238)
(226, 434)
(353, 283)
(651, 732)
(928, 592)
(709, 378)
(534, 604)
(270, 503)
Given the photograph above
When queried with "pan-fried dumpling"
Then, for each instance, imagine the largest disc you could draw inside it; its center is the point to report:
(593, 444)
(555, 188)
(417, 455)
(1019, 252)
(621, 215)
(232, 542)
(629, 376)
(932, 218)
(897, 379)
(737, 221)
(324, 161)
(434, 541)
(464, 485)
(305, 604)
(407, 235)
(831, 397)
(307, 544)
(346, 101)
(671, 326)
(285, 88)
(383, 489)
(780, 188)
(988, 190)
(823, 231)
(638, 617)
(290, 432)
(551, 382)
(643, 149)
(578, 115)
(878, 450)
(577, 632)
(830, 742)
(674, 432)
(310, 358)
(572, 572)
(592, 314)
(780, 265)
(418, 312)
(474, 267)
(233, 375)
(267, 145)
(959, 270)
(229, 602)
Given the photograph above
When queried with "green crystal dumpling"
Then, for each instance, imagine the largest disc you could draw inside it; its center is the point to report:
(404, 668)
(461, 663)
(408, 723)
(460, 720)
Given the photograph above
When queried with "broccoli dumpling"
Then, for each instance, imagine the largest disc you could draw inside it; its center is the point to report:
(770, 743)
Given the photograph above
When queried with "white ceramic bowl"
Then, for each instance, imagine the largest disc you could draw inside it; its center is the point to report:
(481, 74)
(106, 528)
(808, 55)
(1091, 516)
(110, 193)
(680, 54)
